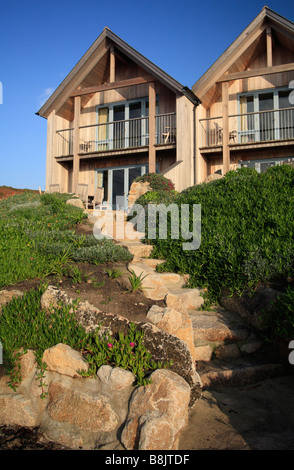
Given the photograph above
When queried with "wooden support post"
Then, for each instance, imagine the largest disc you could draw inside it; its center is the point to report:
(152, 111)
(269, 47)
(76, 142)
(225, 113)
(112, 66)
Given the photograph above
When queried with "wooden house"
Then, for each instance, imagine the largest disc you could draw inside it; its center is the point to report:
(246, 116)
(117, 116)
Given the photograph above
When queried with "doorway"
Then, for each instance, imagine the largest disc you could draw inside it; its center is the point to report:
(116, 182)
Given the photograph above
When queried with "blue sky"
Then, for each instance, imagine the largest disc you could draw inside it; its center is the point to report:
(42, 40)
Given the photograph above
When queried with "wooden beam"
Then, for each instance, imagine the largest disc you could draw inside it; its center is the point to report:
(152, 112)
(76, 143)
(112, 65)
(269, 47)
(113, 86)
(225, 113)
(79, 77)
(229, 57)
(257, 72)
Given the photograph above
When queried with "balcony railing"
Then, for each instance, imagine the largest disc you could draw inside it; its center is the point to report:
(117, 135)
(64, 142)
(249, 128)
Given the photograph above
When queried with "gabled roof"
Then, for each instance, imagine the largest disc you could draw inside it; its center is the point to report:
(69, 84)
(244, 40)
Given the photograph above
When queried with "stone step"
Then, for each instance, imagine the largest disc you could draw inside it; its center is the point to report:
(137, 249)
(238, 373)
(156, 286)
(222, 334)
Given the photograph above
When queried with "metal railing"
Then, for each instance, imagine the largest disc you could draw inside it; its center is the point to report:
(117, 135)
(64, 142)
(114, 135)
(262, 126)
(166, 128)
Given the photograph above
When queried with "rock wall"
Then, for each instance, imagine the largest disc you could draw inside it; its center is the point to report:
(96, 413)
(137, 189)
(108, 411)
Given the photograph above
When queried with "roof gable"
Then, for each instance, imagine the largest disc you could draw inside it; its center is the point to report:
(96, 59)
(242, 52)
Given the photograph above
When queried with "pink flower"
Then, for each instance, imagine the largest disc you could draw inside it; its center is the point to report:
(132, 344)
(110, 345)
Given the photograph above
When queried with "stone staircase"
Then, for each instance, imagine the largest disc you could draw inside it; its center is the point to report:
(227, 350)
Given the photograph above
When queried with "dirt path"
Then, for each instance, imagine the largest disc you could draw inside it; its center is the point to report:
(256, 417)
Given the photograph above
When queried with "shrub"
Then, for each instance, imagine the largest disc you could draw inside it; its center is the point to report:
(279, 322)
(157, 182)
(247, 227)
(157, 197)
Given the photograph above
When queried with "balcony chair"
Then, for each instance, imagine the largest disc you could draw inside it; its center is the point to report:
(98, 198)
(82, 193)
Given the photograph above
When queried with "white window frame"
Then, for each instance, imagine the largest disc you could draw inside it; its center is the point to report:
(126, 104)
(256, 94)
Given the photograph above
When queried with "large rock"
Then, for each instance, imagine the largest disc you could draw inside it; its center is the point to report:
(64, 360)
(175, 323)
(52, 297)
(76, 202)
(156, 286)
(83, 408)
(157, 413)
(16, 409)
(185, 299)
(28, 364)
(7, 295)
(115, 378)
(137, 189)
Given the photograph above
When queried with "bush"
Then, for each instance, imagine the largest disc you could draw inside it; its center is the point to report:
(157, 197)
(247, 228)
(157, 182)
(279, 322)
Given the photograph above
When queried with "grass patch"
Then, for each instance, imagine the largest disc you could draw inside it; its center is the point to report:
(37, 238)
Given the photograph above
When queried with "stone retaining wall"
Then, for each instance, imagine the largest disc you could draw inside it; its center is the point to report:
(137, 189)
(100, 412)
(108, 411)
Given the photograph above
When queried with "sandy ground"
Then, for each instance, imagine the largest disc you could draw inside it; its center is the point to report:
(256, 417)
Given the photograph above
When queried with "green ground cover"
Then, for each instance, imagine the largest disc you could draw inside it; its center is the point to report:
(38, 238)
(247, 233)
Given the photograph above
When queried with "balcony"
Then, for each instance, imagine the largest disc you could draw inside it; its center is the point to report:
(117, 135)
(248, 129)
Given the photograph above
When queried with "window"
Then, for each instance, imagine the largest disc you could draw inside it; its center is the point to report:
(123, 125)
(265, 116)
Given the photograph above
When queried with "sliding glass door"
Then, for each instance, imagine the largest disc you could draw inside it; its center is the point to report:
(116, 182)
(265, 116)
(123, 125)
